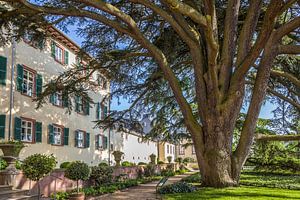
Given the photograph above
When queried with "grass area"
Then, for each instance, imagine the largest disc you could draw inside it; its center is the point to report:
(239, 193)
(254, 185)
(272, 180)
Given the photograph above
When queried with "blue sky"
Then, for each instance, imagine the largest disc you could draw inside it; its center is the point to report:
(266, 111)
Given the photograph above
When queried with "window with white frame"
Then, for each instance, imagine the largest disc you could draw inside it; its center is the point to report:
(26, 130)
(57, 99)
(80, 139)
(57, 132)
(181, 150)
(59, 54)
(28, 82)
(100, 141)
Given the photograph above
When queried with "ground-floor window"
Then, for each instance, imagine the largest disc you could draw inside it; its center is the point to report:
(57, 132)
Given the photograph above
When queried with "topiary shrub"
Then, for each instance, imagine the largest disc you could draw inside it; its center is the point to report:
(3, 164)
(64, 165)
(101, 175)
(37, 166)
(18, 164)
(188, 160)
(78, 171)
(179, 160)
(179, 187)
(142, 163)
(169, 158)
(127, 164)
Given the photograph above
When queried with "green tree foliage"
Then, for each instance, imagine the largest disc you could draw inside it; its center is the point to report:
(78, 171)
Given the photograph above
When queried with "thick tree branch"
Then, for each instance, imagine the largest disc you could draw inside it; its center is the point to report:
(287, 28)
(286, 75)
(229, 43)
(262, 137)
(284, 98)
(289, 49)
(187, 10)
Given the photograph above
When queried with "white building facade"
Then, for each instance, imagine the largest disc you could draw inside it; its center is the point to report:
(50, 129)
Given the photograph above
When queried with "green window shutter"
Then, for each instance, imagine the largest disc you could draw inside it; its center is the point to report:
(53, 49)
(77, 99)
(39, 85)
(105, 142)
(51, 134)
(76, 138)
(87, 140)
(66, 57)
(98, 109)
(2, 126)
(66, 136)
(52, 98)
(20, 73)
(17, 131)
(65, 98)
(3, 69)
(38, 132)
(87, 108)
(105, 111)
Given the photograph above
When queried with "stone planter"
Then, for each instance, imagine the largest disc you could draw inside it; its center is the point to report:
(11, 153)
(153, 158)
(118, 157)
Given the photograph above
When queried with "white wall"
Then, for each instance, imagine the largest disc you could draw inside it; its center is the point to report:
(135, 150)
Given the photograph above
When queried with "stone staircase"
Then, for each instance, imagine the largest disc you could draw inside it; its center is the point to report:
(7, 193)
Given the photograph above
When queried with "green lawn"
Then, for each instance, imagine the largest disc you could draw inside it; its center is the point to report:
(243, 193)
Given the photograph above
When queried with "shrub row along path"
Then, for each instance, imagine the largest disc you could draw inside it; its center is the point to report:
(140, 192)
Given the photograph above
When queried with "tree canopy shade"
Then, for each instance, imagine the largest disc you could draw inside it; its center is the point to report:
(189, 62)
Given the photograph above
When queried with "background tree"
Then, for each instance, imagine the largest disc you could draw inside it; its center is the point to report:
(190, 62)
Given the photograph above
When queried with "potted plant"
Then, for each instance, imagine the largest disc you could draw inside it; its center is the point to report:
(37, 166)
(77, 171)
(118, 157)
(152, 158)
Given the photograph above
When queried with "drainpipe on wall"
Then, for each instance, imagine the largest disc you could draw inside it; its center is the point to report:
(109, 145)
(11, 93)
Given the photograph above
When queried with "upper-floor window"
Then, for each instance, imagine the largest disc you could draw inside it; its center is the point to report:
(102, 82)
(168, 149)
(82, 139)
(58, 134)
(59, 53)
(28, 82)
(27, 130)
(82, 106)
(101, 142)
(57, 99)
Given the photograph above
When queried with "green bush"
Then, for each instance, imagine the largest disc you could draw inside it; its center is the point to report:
(179, 160)
(3, 164)
(195, 178)
(127, 164)
(188, 160)
(60, 196)
(142, 163)
(179, 187)
(78, 171)
(167, 172)
(64, 165)
(101, 175)
(18, 165)
(37, 166)
(160, 162)
(103, 164)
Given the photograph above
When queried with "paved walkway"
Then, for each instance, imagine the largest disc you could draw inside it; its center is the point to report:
(141, 192)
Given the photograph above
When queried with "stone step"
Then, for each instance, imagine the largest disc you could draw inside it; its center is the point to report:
(4, 195)
(5, 188)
